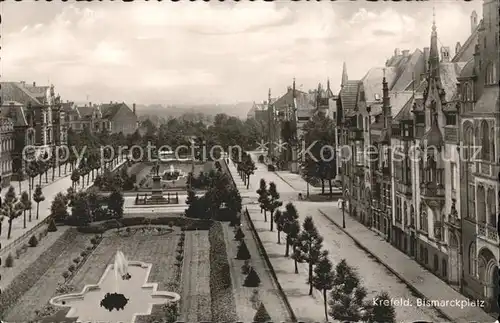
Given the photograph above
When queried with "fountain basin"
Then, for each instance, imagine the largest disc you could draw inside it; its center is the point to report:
(85, 305)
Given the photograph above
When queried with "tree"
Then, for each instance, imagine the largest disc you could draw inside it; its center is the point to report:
(58, 208)
(248, 169)
(81, 209)
(252, 279)
(274, 202)
(38, 197)
(243, 253)
(279, 219)
(70, 196)
(323, 279)
(12, 208)
(262, 316)
(115, 203)
(263, 197)
(26, 202)
(239, 235)
(347, 298)
(75, 177)
(191, 196)
(291, 226)
(381, 310)
(20, 177)
(309, 246)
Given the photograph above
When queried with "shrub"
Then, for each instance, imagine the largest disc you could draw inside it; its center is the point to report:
(221, 293)
(243, 253)
(52, 226)
(252, 279)
(19, 252)
(239, 235)
(24, 248)
(71, 268)
(76, 260)
(245, 269)
(40, 236)
(65, 274)
(9, 261)
(33, 242)
(180, 243)
(83, 253)
(179, 258)
(89, 248)
(262, 316)
(64, 289)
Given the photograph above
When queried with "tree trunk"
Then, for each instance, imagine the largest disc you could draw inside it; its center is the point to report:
(31, 198)
(322, 186)
(88, 179)
(46, 176)
(310, 279)
(324, 303)
(287, 248)
(10, 229)
(271, 219)
(59, 170)
(83, 181)
(1, 228)
(20, 190)
(331, 190)
(37, 209)
(24, 219)
(65, 168)
(279, 240)
(53, 172)
(265, 216)
(248, 182)
(40, 180)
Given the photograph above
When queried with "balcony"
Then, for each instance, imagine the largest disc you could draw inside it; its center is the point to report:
(432, 190)
(488, 233)
(484, 168)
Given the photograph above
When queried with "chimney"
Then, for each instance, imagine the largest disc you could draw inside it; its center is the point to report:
(445, 54)
(110, 102)
(90, 104)
(23, 83)
(288, 88)
(473, 21)
(426, 58)
(133, 107)
(34, 84)
(458, 47)
(264, 102)
(406, 53)
(397, 52)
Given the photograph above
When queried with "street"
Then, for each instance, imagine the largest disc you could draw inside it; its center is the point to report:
(375, 276)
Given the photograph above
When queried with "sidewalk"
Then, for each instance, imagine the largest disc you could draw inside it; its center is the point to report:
(299, 184)
(425, 283)
(50, 190)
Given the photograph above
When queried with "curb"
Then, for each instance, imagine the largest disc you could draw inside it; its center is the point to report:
(394, 272)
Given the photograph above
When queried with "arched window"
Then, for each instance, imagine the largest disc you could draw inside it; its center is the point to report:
(490, 204)
(468, 92)
(423, 221)
(468, 140)
(492, 144)
(360, 122)
(485, 141)
(472, 260)
(490, 77)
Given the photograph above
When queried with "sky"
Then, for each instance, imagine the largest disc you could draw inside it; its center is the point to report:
(207, 53)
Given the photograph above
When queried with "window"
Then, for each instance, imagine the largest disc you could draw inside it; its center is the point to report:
(485, 141)
(453, 169)
(472, 259)
(412, 216)
(423, 221)
(377, 97)
(472, 202)
(398, 210)
(492, 144)
(436, 263)
(490, 77)
(451, 119)
(420, 119)
(426, 256)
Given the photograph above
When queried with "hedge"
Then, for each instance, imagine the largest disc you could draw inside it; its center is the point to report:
(221, 291)
(28, 277)
(186, 223)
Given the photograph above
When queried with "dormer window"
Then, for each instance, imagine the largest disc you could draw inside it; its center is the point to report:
(377, 97)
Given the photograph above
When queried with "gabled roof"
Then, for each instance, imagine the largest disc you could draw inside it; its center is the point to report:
(85, 112)
(405, 113)
(448, 73)
(372, 82)
(433, 137)
(349, 96)
(110, 110)
(14, 91)
(413, 67)
(467, 49)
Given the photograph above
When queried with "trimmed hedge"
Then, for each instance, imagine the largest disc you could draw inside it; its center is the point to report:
(28, 277)
(221, 292)
(186, 223)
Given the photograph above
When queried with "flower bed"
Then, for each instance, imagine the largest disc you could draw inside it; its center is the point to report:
(24, 281)
(187, 223)
(221, 293)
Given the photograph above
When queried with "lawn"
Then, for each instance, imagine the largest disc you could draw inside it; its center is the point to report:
(156, 248)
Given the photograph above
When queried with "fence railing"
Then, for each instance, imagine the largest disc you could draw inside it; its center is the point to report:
(15, 243)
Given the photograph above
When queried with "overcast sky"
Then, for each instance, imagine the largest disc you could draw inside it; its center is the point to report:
(211, 52)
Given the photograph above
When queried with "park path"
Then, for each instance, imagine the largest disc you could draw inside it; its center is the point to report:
(50, 190)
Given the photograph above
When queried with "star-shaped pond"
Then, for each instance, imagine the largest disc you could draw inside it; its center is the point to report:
(85, 306)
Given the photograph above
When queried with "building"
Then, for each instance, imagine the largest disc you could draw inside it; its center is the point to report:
(6, 148)
(114, 117)
(408, 136)
(259, 111)
(287, 116)
(37, 117)
(479, 203)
